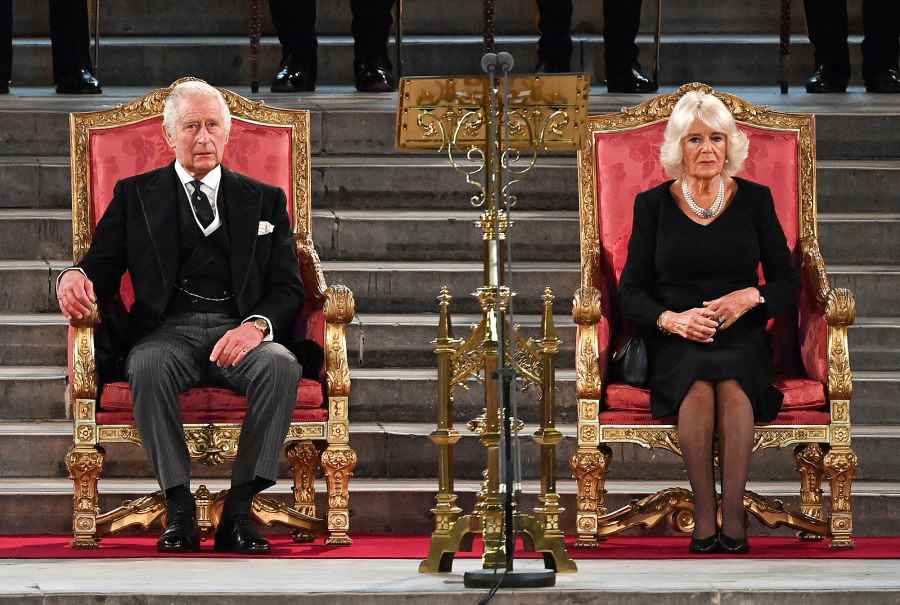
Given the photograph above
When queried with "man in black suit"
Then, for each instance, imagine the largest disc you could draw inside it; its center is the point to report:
(217, 285)
(70, 38)
(621, 21)
(295, 22)
(827, 24)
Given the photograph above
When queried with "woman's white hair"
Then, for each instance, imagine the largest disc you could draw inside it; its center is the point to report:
(707, 108)
(191, 89)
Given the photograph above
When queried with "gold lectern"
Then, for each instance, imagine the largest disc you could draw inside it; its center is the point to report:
(499, 125)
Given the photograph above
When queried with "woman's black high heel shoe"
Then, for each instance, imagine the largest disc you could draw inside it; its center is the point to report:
(705, 546)
(733, 546)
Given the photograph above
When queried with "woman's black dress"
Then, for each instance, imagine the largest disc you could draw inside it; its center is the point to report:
(675, 264)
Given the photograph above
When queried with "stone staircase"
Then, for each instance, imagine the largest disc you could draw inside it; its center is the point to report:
(396, 227)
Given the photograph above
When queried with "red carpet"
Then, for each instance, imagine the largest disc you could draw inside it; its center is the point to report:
(416, 547)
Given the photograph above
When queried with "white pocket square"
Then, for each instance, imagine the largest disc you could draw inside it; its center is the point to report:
(265, 228)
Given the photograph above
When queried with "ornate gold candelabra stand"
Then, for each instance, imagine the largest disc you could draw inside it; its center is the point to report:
(499, 125)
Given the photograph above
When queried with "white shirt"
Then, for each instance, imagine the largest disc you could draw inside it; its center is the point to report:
(209, 185)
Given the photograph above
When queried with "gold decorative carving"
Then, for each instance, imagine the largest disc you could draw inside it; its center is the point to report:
(85, 466)
(782, 436)
(142, 511)
(772, 513)
(840, 378)
(306, 430)
(840, 411)
(586, 313)
(304, 460)
(84, 434)
(589, 466)
(660, 436)
(674, 504)
(212, 445)
(84, 370)
(340, 308)
(338, 407)
(84, 410)
(311, 270)
(808, 461)
(338, 462)
(271, 512)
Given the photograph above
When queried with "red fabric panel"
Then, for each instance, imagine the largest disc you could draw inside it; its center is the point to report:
(784, 418)
(117, 396)
(628, 162)
(813, 335)
(799, 394)
(299, 415)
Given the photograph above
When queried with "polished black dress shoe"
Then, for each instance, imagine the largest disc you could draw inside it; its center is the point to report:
(295, 75)
(373, 75)
(705, 546)
(181, 534)
(733, 546)
(632, 81)
(825, 80)
(81, 83)
(239, 535)
(885, 82)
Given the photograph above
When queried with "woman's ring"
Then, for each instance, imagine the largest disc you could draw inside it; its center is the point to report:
(721, 320)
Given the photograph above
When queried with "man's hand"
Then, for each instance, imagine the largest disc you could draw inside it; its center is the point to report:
(729, 308)
(234, 345)
(693, 324)
(75, 295)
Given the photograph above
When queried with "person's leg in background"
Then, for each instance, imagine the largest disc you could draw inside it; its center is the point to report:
(826, 21)
(881, 45)
(295, 23)
(621, 21)
(71, 41)
(371, 28)
(555, 42)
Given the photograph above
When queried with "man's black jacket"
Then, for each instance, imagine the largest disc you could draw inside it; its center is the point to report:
(139, 233)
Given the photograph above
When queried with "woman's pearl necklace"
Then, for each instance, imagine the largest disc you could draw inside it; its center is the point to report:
(704, 213)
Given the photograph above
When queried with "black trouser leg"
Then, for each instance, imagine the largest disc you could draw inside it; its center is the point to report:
(881, 45)
(5, 41)
(621, 21)
(371, 27)
(827, 24)
(295, 23)
(555, 27)
(71, 38)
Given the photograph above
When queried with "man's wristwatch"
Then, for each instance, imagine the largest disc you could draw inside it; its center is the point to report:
(260, 324)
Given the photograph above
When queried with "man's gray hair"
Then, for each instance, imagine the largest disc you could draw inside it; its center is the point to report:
(710, 110)
(193, 88)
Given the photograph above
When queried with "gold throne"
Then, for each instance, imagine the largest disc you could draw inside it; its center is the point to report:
(618, 158)
(271, 145)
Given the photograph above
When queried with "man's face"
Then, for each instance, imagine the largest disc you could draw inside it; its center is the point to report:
(199, 138)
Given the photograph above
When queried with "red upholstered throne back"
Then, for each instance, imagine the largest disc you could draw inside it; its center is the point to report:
(627, 163)
(260, 151)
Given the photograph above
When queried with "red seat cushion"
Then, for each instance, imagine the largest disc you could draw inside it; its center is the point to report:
(799, 394)
(116, 396)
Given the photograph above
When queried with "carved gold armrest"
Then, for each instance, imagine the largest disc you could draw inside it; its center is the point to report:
(586, 313)
(837, 304)
(339, 311)
(311, 269)
(839, 308)
(84, 366)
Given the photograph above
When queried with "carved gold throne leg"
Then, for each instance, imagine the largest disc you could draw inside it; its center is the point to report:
(304, 460)
(590, 465)
(840, 469)
(808, 461)
(85, 465)
(338, 462)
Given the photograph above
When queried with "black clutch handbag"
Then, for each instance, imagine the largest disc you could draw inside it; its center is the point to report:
(629, 363)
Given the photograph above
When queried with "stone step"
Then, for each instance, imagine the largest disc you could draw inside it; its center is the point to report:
(442, 235)
(409, 394)
(34, 121)
(404, 451)
(735, 59)
(44, 506)
(398, 340)
(172, 17)
(346, 183)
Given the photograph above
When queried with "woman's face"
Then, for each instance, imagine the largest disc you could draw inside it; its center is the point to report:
(703, 151)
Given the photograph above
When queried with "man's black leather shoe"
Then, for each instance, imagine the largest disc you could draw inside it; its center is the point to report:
(825, 80)
(632, 81)
(373, 75)
(82, 83)
(239, 535)
(886, 82)
(295, 76)
(181, 534)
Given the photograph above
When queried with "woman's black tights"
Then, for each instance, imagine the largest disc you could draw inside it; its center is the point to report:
(705, 409)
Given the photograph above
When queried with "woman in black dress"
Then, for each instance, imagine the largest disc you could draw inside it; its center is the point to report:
(690, 284)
